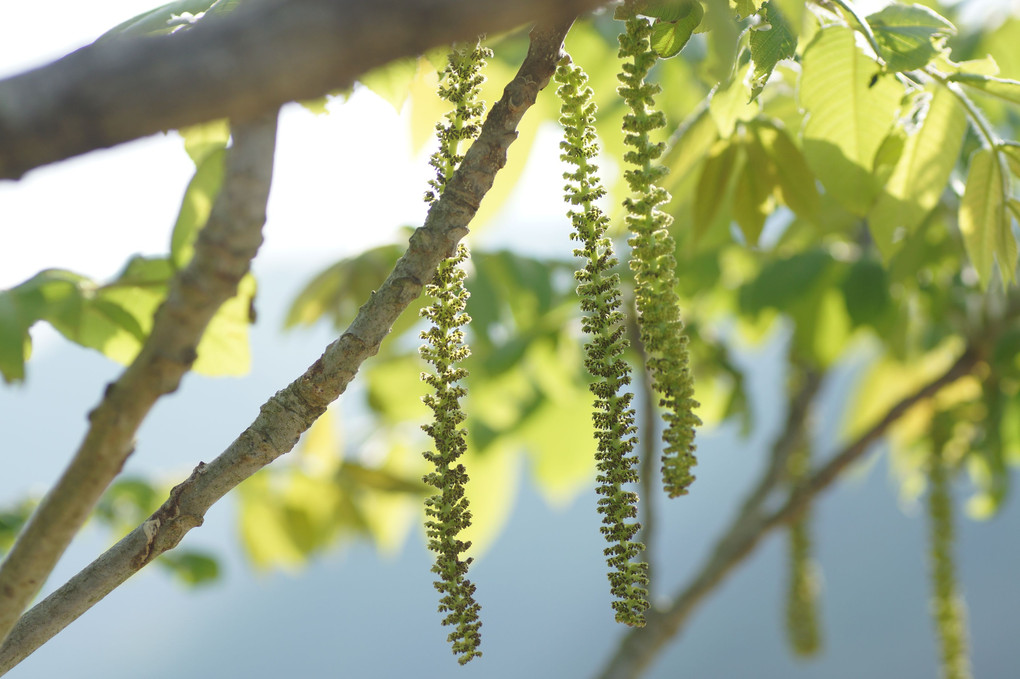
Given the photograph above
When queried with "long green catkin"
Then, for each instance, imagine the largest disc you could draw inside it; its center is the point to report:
(653, 260)
(447, 510)
(599, 290)
(948, 610)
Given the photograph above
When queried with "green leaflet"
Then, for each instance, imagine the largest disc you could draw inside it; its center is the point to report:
(197, 205)
(669, 35)
(731, 104)
(848, 116)
(714, 185)
(909, 36)
(1003, 88)
(986, 230)
(753, 194)
(770, 44)
(392, 82)
(919, 178)
(794, 179)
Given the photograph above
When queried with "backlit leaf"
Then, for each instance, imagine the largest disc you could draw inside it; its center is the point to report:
(796, 182)
(998, 87)
(921, 175)
(670, 35)
(714, 184)
(848, 116)
(907, 35)
(769, 45)
(196, 206)
(983, 220)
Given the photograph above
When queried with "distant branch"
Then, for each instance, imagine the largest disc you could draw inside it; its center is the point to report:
(283, 418)
(223, 254)
(245, 63)
(640, 647)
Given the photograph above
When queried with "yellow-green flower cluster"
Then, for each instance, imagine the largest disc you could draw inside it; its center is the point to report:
(653, 260)
(447, 511)
(459, 84)
(599, 290)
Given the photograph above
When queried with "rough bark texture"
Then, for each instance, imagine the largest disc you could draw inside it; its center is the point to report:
(223, 253)
(283, 418)
(236, 66)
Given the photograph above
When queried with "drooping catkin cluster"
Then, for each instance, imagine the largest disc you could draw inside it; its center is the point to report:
(599, 290)
(459, 84)
(447, 511)
(802, 627)
(948, 608)
(653, 260)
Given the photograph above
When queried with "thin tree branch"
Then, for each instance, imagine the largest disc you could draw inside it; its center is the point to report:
(640, 647)
(648, 450)
(283, 418)
(223, 253)
(250, 61)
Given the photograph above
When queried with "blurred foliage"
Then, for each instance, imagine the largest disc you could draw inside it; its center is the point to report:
(850, 178)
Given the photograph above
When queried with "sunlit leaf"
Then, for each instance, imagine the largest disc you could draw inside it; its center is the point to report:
(752, 195)
(224, 348)
(848, 116)
(730, 105)
(796, 182)
(908, 35)
(392, 82)
(714, 184)
(201, 140)
(770, 44)
(669, 35)
(196, 206)
(1002, 88)
(983, 220)
(919, 178)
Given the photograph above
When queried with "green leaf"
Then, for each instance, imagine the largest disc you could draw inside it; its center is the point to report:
(983, 222)
(770, 43)
(713, 185)
(796, 182)
(696, 136)
(921, 175)
(196, 206)
(907, 35)
(224, 348)
(752, 195)
(848, 116)
(866, 293)
(670, 35)
(666, 10)
(201, 140)
(730, 104)
(1002, 88)
(392, 82)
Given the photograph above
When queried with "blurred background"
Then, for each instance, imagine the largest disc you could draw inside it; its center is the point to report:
(360, 602)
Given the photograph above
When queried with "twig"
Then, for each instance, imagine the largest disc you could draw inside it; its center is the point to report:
(284, 417)
(640, 646)
(251, 61)
(223, 254)
(649, 451)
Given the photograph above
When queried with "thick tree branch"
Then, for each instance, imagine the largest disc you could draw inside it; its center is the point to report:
(250, 61)
(283, 418)
(641, 646)
(223, 254)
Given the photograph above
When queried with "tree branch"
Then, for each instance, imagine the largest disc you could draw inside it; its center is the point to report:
(639, 647)
(236, 66)
(223, 253)
(283, 418)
